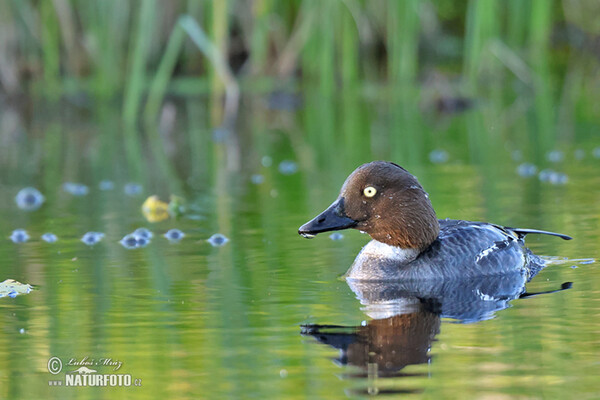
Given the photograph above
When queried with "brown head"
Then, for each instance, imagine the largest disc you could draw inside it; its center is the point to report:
(385, 201)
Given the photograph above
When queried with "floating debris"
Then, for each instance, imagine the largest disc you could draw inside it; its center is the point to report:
(266, 161)
(336, 236)
(527, 170)
(174, 235)
(29, 199)
(217, 240)
(257, 179)
(49, 237)
(19, 236)
(133, 189)
(91, 238)
(579, 154)
(76, 189)
(106, 185)
(12, 288)
(439, 156)
(288, 167)
(555, 156)
(154, 209)
(143, 233)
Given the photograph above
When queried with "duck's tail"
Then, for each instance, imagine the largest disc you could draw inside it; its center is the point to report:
(523, 232)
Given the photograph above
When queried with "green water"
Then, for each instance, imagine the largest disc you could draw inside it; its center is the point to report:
(188, 320)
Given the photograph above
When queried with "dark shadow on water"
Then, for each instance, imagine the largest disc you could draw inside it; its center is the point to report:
(405, 319)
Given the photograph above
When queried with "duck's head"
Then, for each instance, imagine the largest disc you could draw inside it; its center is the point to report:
(384, 200)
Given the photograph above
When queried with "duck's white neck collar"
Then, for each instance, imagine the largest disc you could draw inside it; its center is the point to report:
(381, 250)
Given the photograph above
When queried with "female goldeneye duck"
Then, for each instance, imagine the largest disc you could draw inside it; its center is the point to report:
(385, 201)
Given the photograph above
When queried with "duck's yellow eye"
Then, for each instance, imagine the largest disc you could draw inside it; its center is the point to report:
(369, 191)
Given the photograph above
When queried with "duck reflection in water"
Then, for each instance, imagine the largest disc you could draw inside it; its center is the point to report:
(406, 317)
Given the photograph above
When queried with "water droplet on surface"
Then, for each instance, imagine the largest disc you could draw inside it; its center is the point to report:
(91, 238)
(174, 235)
(29, 199)
(49, 237)
(19, 236)
(336, 236)
(217, 240)
(439, 156)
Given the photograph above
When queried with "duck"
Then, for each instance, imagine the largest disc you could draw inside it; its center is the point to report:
(409, 242)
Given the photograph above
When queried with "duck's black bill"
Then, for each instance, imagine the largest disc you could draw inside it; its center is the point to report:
(332, 219)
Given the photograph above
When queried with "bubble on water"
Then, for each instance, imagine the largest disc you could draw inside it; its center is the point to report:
(257, 179)
(558, 178)
(545, 174)
(596, 152)
(106, 185)
(553, 177)
(517, 155)
(579, 154)
(174, 235)
(555, 156)
(336, 236)
(133, 189)
(143, 232)
(29, 199)
(266, 161)
(91, 238)
(129, 241)
(76, 189)
(288, 167)
(19, 236)
(526, 170)
(49, 237)
(217, 240)
(22, 331)
(283, 373)
(439, 156)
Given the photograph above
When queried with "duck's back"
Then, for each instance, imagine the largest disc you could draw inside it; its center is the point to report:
(462, 249)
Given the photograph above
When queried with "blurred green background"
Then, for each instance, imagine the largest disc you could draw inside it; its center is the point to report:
(255, 112)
